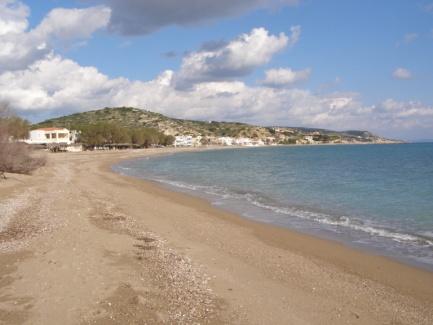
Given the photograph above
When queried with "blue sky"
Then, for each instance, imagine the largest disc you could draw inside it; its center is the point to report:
(376, 54)
(360, 42)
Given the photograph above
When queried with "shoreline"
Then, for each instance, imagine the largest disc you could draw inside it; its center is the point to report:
(241, 271)
(360, 261)
(328, 237)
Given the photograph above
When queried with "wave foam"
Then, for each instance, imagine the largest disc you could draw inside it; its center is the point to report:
(424, 239)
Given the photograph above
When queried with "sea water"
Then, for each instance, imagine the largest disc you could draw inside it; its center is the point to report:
(374, 197)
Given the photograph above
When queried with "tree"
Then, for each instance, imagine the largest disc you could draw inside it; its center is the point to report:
(105, 133)
(168, 140)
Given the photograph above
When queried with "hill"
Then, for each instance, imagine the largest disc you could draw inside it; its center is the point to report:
(135, 118)
(130, 117)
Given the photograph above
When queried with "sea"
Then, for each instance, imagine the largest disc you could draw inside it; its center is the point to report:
(377, 198)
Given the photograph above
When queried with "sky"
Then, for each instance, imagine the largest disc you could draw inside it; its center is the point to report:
(333, 64)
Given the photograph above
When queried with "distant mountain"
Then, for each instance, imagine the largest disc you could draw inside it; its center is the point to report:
(136, 118)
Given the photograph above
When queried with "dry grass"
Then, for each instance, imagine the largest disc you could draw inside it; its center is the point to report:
(15, 156)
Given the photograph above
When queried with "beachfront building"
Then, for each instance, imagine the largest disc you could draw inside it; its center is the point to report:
(183, 141)
(243, 142)
(52, 136)
(248, 142)
(187, 141)
(226, 141)
(258, 142)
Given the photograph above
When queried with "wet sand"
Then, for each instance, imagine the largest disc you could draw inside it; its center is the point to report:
(84, 245)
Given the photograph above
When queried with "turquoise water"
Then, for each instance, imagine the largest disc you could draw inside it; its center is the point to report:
(377, 197)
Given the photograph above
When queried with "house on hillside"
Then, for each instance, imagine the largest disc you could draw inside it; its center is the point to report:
(309, 139)
(52, 135)
(312, 138)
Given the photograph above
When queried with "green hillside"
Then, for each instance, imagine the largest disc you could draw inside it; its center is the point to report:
(133, 118)
(137, 118)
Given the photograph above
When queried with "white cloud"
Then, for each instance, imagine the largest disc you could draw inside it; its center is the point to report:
(13, 17)
(278, 78)
(294, 36)
(402, 73)
(134, 17)
(58, 85)
(235, 59)
(53, 83)
(69, 24)
(19, 47)
(46, 82)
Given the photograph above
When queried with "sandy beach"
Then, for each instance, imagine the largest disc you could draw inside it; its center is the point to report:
(80, 244)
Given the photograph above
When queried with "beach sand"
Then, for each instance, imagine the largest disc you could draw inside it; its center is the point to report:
(80, 244)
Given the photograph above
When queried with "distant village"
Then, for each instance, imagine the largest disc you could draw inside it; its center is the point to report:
(63, 139)
(282, 136)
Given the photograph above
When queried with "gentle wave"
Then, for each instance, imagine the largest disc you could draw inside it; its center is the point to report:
(425, 239)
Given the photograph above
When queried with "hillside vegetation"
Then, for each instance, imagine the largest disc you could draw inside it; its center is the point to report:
(134, 118)
(137, 118)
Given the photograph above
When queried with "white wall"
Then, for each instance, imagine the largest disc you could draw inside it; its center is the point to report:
(41, 136)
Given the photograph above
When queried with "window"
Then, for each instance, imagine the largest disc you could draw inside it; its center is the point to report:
(53, 135)
(47, 135)
(62, 135)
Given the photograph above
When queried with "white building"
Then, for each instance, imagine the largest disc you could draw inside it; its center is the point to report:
(248, 142)
(52, 136)
(226, 141)
(310, 139)
(183, 141)
(244, 142)
(187, 141)
(257, 143)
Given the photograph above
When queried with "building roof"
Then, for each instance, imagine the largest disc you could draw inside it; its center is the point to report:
(50, 129)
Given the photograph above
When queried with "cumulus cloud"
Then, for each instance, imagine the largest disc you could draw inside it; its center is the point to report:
(13, 17)
(280, 78)
(53, 82)
(234, 59)
(19, 47)
(402, 73)
(67, 24)
(135, 17)
(55, 85)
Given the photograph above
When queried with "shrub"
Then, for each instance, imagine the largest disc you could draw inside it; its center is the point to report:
(15, 156)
